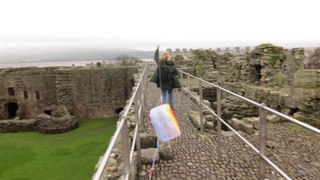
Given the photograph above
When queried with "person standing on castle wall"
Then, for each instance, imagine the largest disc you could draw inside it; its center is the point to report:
(166, 86)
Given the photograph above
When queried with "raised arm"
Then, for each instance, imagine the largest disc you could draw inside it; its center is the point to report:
(156, 55)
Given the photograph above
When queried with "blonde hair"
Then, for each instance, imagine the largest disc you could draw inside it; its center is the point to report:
(165, 56)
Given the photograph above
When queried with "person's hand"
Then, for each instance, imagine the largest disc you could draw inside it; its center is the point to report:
(158, 46)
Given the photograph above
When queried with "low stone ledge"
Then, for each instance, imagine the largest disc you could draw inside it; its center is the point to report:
(49, 125)
(242, 125)
(17, 125)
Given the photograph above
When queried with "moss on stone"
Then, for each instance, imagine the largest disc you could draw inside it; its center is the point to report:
(306, 78)
(278, 80)
(200, 69)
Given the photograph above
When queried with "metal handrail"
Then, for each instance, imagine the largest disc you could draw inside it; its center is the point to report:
(257, 104)
(122, 127)
(243, 139)
(139, 97)
(263, 110)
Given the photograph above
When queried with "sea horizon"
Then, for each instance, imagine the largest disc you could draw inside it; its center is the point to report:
(68, 63)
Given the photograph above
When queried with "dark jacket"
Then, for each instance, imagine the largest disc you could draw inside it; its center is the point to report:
(174, 83)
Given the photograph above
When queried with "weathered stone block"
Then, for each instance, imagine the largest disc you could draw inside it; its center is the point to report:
(131, 122)
(247, 128)
(234, 122)
(306, 78)
(241, 125)
(148, 140)
(278, 79)
(209, 118)
(165, 150)
(207, 113)
(147, 155)
(209, 125)
(254, 121)
(207, 103)
(273, 118)
(195, 119)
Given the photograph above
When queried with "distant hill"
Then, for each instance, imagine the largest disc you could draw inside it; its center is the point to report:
(40, 54)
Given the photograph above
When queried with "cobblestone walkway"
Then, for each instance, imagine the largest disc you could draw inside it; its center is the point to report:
(295, 150)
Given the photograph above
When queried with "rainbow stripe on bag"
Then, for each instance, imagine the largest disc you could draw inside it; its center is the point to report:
(165, 122)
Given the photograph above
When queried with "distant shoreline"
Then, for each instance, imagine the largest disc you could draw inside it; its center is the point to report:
(56, 63)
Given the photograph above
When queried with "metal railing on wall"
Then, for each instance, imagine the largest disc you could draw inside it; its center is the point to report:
(263, 109)
(138, 99)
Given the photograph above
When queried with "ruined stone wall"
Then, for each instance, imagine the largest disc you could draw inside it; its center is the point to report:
(98, 93)
(86, 93)
(32, 90)
(268, 74)
(302, 101)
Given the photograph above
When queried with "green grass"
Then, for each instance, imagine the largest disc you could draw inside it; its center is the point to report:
(67, 156)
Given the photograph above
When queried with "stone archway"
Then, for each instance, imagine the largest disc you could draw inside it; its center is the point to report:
(118, 110)
(11, 109)
(258, 75)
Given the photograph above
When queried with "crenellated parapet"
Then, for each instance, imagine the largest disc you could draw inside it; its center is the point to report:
(177, 51)
(220, 50)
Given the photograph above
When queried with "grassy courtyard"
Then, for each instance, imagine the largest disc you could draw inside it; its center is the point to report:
(67, 156)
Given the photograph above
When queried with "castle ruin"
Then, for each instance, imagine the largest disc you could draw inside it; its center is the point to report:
(286, 80)
(25, 93)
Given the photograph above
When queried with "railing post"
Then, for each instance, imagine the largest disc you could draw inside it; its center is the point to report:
(189, 91)
(125, 148)
(138, 142)
(145, 84)
(141, 102)
(141, 118)
(219, 123)
(200, 106)
(262, 141)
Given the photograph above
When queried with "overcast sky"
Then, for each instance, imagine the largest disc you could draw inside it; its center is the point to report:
(170, 23)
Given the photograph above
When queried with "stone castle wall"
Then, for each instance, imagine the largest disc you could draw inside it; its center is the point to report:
(269, 74)
(98, 92)
(86, 93)
(33, 90)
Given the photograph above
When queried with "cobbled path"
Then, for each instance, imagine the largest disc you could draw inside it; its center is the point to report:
(295, 150)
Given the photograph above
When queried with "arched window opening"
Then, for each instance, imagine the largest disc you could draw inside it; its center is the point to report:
(11, 91)
(293, 110)
(11, 109)
(47, 112)
(25, 94)
(118, 110)
(37, 93)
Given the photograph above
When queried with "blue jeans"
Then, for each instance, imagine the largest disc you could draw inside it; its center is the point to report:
(164, 96)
